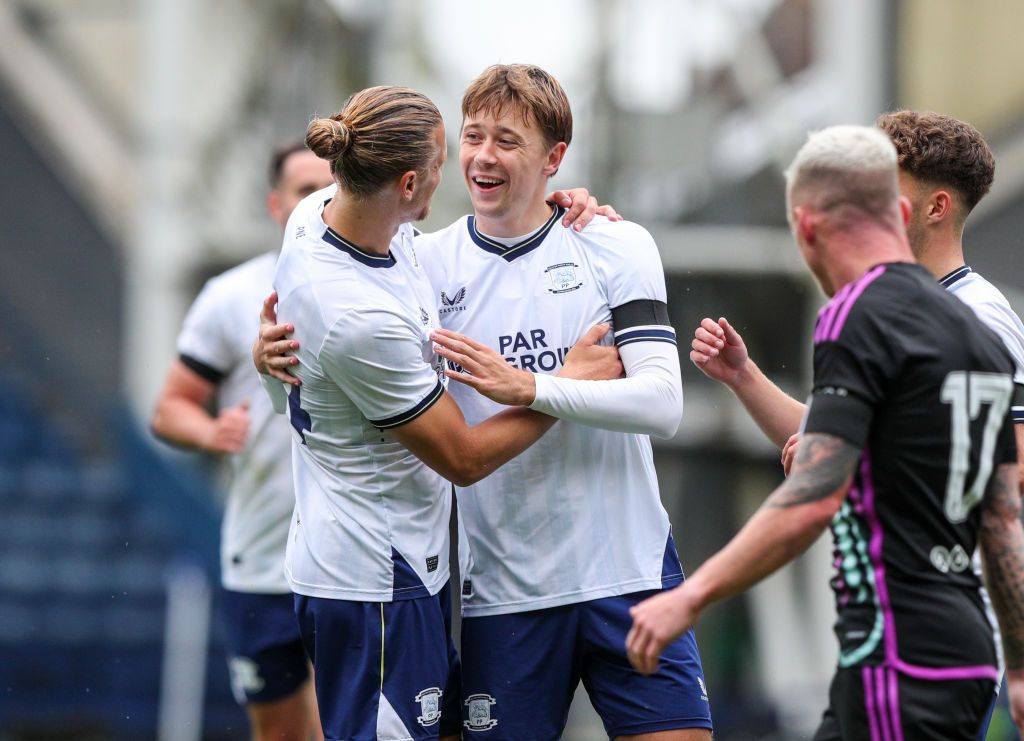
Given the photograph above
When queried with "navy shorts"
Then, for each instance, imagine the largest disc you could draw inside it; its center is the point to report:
(520, 672)
(383, 670)
(266, 657)
(876, 703)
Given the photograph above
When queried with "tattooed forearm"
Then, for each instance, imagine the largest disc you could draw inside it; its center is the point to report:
(1002, 547)
(823, 464)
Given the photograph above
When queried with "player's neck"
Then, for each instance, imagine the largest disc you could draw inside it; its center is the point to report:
(514, 224)
(366, 224)
(942, 254)
(855, 252)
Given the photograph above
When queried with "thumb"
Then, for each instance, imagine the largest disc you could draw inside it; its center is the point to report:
(594, 334)
(732, 337)
(269, 313)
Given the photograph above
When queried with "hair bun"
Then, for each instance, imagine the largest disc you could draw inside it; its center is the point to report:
(328, 138)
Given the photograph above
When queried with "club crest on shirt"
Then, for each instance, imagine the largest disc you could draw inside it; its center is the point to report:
(430, 706)
(452, 303)
(562, 277)
(479, 713)
(424, 316)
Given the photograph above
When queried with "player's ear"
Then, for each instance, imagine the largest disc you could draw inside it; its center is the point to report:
(555, 156)
(906, 210)
(804, 224)
(408, 184)
(940, 204)
(274, 206)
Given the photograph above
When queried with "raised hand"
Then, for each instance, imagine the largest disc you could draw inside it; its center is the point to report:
(581, 207)
(719, 351)
(270, 351)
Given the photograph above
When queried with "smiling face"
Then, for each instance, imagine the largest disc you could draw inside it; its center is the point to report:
(506, 162)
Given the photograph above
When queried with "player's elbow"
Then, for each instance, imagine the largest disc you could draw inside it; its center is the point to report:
(1000, 527)
(667, 414)
(466, 472)
(810, 519)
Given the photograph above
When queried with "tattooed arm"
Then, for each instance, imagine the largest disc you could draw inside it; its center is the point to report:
(788, 522)
(1002, 548)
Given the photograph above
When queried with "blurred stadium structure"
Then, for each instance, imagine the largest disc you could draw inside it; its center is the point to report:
(135, 135)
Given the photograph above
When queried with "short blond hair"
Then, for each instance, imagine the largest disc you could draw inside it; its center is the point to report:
(845, 166)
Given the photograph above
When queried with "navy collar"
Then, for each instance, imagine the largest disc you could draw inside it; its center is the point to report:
(357, 253)
(950, 278)
(520, 248)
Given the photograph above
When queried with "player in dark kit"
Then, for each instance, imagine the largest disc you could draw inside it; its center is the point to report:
(905, 375)
(908, 452)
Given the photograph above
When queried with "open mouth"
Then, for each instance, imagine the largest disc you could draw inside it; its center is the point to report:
(487, 184)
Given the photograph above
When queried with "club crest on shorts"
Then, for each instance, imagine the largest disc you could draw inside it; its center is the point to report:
(245, 676)
(478, 714)
(430, 706)
(563, 277)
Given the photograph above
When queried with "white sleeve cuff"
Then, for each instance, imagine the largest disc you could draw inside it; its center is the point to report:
(649, 401)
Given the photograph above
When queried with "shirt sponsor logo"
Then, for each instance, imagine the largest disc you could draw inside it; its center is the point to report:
(541, 357)
(430, 706)
(562, 277)
(831, 391)
(946, 559)
(452, 303)
(479, 713)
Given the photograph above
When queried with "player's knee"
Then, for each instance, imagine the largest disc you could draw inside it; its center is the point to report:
(284, 720)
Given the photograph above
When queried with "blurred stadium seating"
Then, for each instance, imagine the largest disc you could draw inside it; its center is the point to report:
(86, 547)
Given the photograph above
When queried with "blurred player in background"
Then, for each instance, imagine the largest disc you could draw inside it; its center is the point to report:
(269, 667)
(907, 450)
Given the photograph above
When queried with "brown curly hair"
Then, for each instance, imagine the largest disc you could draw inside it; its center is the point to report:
(942, 150)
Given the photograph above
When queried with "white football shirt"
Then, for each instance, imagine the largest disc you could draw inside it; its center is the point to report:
(215, 342)
(994, 311)
(371, 520)
(577, 516)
